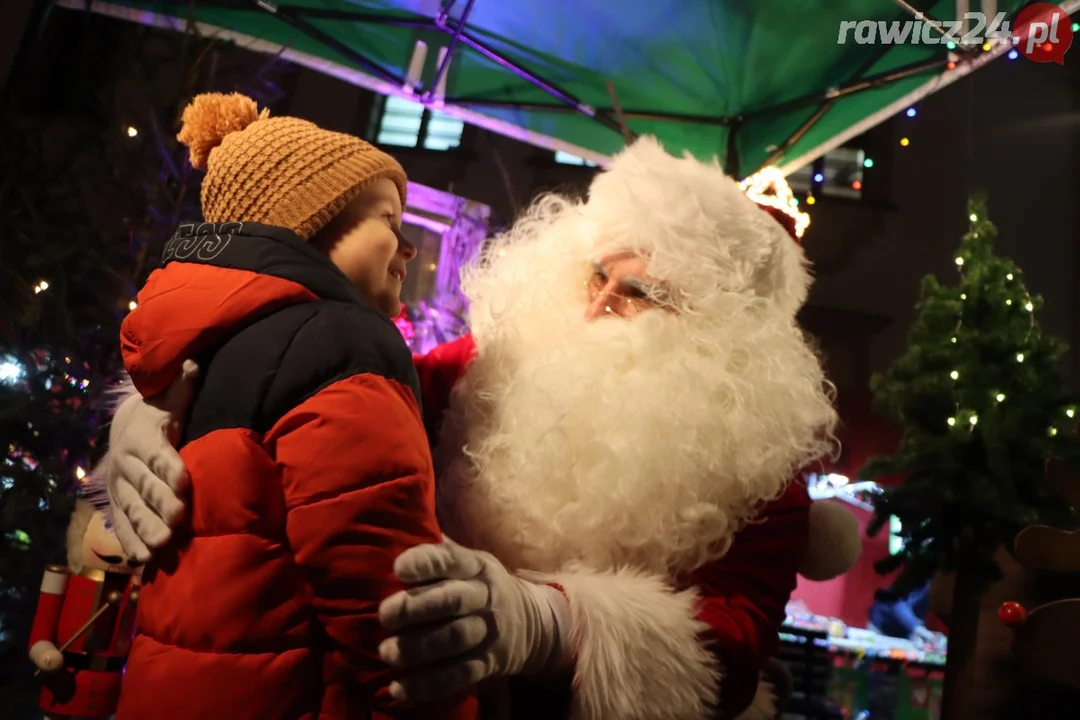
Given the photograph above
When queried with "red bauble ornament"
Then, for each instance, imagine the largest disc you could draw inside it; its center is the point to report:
(1012, 614)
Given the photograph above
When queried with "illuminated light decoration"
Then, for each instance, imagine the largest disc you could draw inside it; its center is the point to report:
(987, 46)
(951, 65)
(1019, 357)
(1076, 27)
(950, 45)
(951, 421)
(911, 112)
(856, 185)
(810, 199)
(132, 132)
(769, 189)
(1053, 431)
(868, 163)
(42, 286)
(1009, 276)
(1000, 397)
(963, 296)
(954, 375)
(959, 261)
(973, 217)
(904, 142)
(1029, 307)
(954, 340)
(1070, 412)
(1013, 54)
(132, 305)
(80, 474)
(10, 370)
(819, 177)
(973, 419)
(1008, 302)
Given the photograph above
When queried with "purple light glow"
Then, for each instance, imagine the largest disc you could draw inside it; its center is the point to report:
(439, 315)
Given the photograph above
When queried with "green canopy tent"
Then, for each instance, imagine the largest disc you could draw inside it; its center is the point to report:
(754, 82)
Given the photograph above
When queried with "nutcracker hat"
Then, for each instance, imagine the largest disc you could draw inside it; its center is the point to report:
(280, 171)
(703, 234)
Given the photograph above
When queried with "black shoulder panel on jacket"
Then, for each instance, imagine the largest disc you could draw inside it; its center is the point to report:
(271, 366)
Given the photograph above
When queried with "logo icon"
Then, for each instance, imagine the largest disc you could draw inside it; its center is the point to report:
(1043, 33)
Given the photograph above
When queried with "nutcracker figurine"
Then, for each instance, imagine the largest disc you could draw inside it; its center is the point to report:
(85, 621)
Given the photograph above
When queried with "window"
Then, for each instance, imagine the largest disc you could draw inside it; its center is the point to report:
(406, 123)
(839, 173)
(565, 158)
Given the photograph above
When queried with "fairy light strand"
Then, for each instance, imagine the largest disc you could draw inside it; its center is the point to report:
(769, 187)
(1029, 306)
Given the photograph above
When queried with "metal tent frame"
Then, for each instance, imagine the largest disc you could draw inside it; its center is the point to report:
(380, 79)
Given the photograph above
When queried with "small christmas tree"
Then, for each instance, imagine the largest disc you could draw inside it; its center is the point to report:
(980, 399)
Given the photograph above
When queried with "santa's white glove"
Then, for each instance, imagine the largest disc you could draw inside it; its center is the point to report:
(468, 619)
(145, 473)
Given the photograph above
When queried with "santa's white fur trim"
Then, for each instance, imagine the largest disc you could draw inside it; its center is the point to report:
(835, 542)
(639, 646)
(96, 487)
(763, 706)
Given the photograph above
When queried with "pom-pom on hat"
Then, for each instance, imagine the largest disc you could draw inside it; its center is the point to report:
(278, 171)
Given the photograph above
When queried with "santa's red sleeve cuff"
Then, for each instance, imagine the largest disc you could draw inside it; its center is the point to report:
(745, 593)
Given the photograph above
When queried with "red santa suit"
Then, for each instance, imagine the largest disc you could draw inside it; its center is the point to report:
(676, 580)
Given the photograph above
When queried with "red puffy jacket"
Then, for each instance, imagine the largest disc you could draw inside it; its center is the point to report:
(310, 472)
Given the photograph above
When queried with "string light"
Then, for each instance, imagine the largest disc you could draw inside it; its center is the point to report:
(911, 112)
(963, 296)
(973, 419)
(132, 305)
(810, 199)
(954, 375)
(904, 142)
(951, 421)
(768, 187)
(1019, 357)
(41, 287)
(959, 261)
(80, 474)
(1029, 307)
(1070, 412)
(1009, 301)
(1000, 397)
(954, 340)
(1009, 276)
(1053, 431)
(869, 162)
(132, 132)
(1013, 54)
(973, 217)
(986, 47)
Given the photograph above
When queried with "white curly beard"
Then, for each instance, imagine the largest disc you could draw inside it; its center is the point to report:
(645, 443)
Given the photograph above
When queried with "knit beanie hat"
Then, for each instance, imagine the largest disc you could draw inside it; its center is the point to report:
(278, 171)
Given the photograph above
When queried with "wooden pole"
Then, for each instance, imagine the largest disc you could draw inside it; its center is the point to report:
(956, 702)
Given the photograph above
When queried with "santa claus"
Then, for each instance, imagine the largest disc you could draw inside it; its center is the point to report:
(618, 442)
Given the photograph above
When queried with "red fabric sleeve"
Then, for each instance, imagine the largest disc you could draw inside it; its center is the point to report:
(439, 371)
(359, 489)
(745, 593)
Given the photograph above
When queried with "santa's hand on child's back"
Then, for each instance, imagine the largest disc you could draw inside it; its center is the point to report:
(145, 473)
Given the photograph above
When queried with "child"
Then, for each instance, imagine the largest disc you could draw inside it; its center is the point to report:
(309, 465)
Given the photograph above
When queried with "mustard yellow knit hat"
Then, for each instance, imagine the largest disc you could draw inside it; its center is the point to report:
(279, 171)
